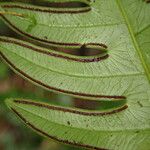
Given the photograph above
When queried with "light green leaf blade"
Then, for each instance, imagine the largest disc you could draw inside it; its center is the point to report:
(56, 29)
(94, 132)
(81, 79)
(100, 25)
(137, 20)
(125, 72)
(140, 24)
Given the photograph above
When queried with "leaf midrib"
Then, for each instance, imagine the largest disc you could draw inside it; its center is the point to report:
(135, 43)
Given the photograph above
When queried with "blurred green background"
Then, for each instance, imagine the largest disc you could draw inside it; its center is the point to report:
(14, 135)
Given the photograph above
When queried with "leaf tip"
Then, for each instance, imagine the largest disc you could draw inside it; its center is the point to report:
(9, 102)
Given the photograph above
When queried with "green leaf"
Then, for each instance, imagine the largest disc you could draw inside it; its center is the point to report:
(121, 72)
(64, 28)
(72, 126)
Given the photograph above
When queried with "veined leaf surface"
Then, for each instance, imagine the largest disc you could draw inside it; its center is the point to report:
(118, 28)
(72, 126)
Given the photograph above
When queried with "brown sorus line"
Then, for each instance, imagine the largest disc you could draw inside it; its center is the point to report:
(57, 89)
(73, 11)
(39, 39)
(71, 110)
(96, 44)
(53, 137)
(84, 60)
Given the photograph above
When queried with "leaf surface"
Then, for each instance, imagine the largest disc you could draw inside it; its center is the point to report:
(120, 30)
(85, 130)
